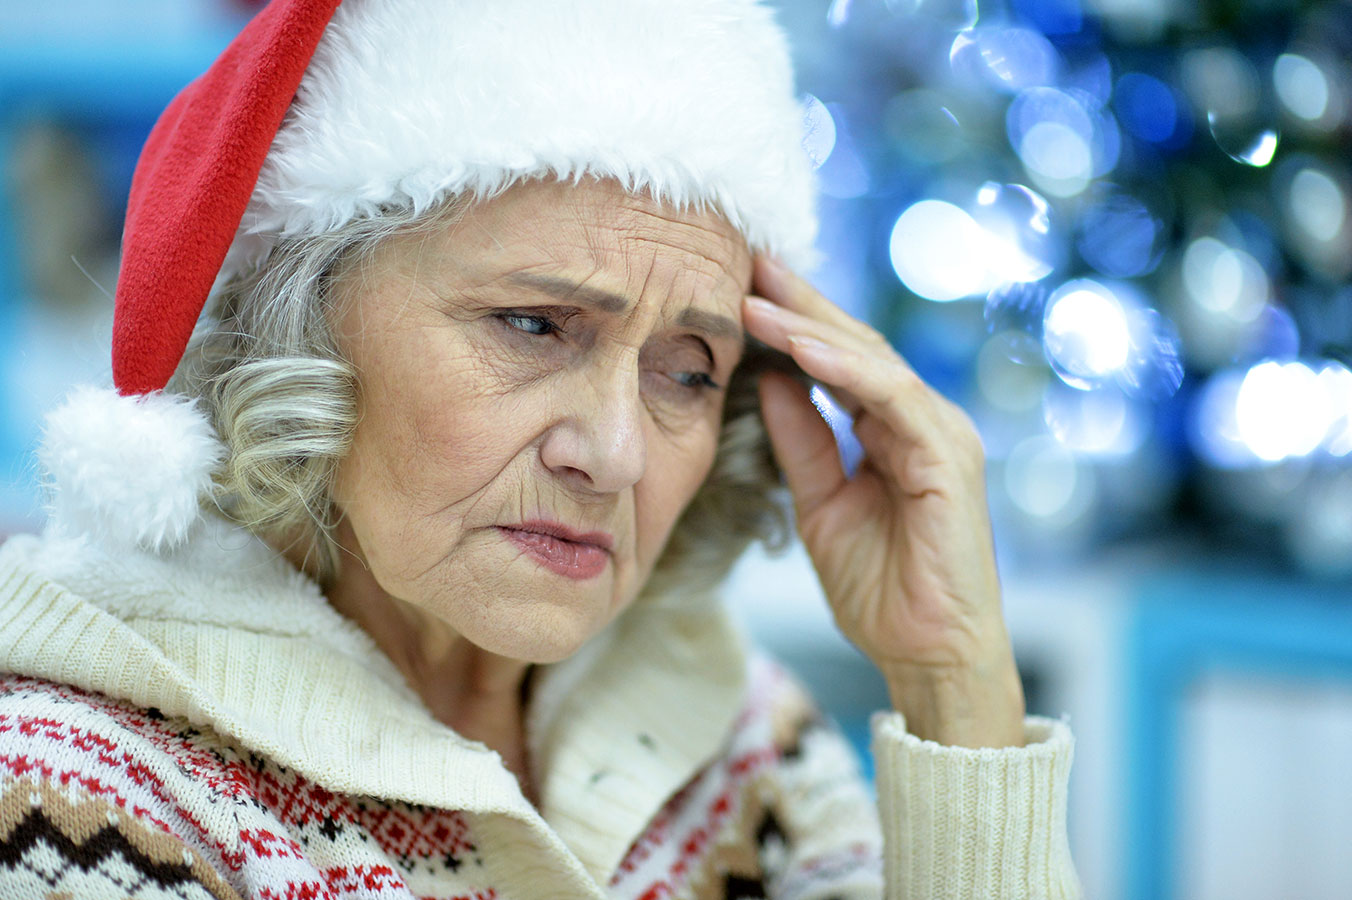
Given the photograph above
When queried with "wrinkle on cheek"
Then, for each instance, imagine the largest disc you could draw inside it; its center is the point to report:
(492, 369)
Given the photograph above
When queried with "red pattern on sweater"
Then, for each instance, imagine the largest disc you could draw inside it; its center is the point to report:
(279, 836)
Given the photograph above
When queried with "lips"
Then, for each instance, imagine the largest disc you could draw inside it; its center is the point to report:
(560, 549)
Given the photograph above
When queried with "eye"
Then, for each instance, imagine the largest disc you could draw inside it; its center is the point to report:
(537, 325)
(696, 380)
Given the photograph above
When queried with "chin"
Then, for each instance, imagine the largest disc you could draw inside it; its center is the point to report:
(538, 633)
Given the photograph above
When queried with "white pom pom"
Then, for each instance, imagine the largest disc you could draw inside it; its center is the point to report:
(128, 470)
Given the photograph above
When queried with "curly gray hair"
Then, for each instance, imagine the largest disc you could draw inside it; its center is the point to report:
(267, 369)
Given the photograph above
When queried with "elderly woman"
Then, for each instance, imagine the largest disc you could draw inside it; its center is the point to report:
(399, 580)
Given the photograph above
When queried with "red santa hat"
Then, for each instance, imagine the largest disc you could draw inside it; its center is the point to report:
(320, 113)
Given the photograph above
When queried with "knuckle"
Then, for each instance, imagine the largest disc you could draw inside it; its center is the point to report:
(907, 384)
(875, 338)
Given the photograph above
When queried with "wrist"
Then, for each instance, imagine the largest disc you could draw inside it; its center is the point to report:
(980, 705)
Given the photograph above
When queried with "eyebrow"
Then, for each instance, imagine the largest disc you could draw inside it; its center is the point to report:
(712, 324)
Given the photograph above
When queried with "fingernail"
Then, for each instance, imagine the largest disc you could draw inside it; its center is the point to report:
(761, 304)
(810, 344)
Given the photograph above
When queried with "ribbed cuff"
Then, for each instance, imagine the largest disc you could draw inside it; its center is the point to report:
(962, 823)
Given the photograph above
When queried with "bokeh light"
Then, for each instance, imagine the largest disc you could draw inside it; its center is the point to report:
(1336, 379)
(1302, 86)
(1048, 483)
(1317, 205)
(1120, 237)
(1154, 369)
(842, 174)
(1008, 59)
(936, 251)
(1017, 232)
(1101, 422)
(943, 252)
(1147, 107)
(1223, 279)
(1319, 538)
(1015, 313)
(1213, 429)
(1225, 88)
(1063, 138)
(819, 130)
(1251, 147)
(838, 13)
(1222, 82)
(1085, 333)
(1282, 410)
(1006, 383)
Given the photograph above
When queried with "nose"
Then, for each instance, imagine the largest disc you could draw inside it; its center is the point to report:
(597, 440)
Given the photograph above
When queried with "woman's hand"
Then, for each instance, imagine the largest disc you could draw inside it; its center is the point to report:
(903, 547)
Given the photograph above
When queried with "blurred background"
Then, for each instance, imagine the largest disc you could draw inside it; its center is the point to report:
(1118, 232)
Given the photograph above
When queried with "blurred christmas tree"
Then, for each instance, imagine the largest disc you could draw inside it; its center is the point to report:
(1118, 232)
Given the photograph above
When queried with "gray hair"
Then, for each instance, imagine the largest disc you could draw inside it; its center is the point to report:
(269, 373)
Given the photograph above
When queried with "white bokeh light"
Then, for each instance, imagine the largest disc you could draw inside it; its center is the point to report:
(1047, 483)
(1221, 80)
(1222, 279)
(1212, 428)
(1337, 382)
(1064, 138)
(819, 130)
(1016, 225)
(936, 250)
(1317, 205)
(1057, 151)
(1282, 410)
(1085, 332)
(1301, 85)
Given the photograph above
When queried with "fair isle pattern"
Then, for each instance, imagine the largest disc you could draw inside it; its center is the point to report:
(260, 830)
(55, 847)
(773, 817)
(99, 798)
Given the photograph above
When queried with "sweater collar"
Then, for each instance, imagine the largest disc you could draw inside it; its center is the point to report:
(225, 633)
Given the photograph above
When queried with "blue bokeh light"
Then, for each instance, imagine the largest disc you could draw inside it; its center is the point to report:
(1146, 107)
(1119, 237)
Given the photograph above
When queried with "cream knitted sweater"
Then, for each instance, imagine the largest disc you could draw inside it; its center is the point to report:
(202, 724)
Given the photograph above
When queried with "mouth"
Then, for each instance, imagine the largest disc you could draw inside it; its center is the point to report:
(560, 549)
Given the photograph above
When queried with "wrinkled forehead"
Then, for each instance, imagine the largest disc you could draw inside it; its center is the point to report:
(596, 231)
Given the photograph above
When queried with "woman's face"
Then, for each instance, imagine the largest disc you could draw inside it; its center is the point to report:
(541, 390)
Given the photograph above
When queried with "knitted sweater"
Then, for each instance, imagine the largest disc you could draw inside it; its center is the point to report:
(202, 724)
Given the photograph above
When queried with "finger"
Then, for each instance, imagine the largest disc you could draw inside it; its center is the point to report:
(863, 375)
(885, 389)
(778, 327)
(802, 442)
(910, 431)
(779, 284)
(774, 325)
(764, 322)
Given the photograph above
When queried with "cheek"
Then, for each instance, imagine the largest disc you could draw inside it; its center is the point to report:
(435, 431)
(673, 477)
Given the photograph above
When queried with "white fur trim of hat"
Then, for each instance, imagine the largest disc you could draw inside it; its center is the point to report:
(407, 102)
